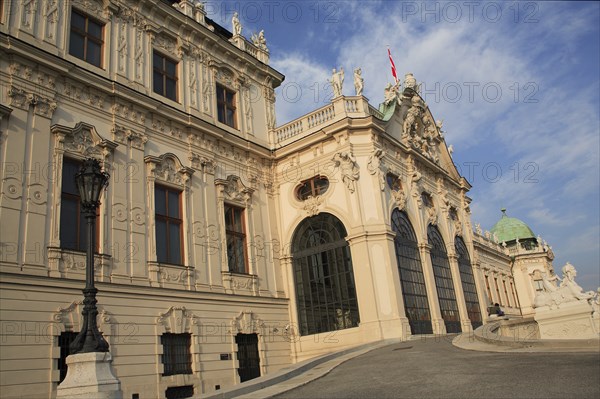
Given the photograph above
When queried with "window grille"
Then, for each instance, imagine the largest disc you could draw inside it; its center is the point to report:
(176, 356)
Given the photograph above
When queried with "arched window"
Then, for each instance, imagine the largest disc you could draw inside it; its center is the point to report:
(443, 280)
(468, 282)
(323, 275)
(410, 269)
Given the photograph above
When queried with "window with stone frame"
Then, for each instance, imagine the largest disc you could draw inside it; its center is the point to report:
(164, 76)
(169, 225)
(73, 225)
(312, 187)
(393, 181)
(226, 109)
(235, 231)
(86, 41)
(176, 356)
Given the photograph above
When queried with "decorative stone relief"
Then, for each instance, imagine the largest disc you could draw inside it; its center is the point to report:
(19, 98)
(52, 16)
(168, 168)
(123, 135)
(84, 140)
(247, 322)
(348, 169)
(233, 189)
(399, 198)
(201, 162)
(238, 282)
(177, 320)
(375, 166)
(312, 205)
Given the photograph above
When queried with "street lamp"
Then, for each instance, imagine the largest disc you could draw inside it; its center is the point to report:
(90, 181)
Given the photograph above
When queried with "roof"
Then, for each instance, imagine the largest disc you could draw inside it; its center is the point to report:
(509, 229)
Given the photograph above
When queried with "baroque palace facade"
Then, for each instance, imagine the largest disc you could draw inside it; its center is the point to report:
(227, 247)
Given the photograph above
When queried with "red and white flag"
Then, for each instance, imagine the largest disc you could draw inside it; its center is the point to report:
(393, 66)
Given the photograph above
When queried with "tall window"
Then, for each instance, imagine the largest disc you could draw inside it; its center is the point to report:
(323, 276)
(443, 280)
(236, 239)
(506, 293)
(73, 232)
(487, 287)
(165, 76)
(498, 291)
(86, 39)
(226, 106)
(410, 269)
(514, 295)
(176, 356)
(64, 342)
(168, 225)
(468, 282)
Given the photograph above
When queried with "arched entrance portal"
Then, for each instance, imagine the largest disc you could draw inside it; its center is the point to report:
(323, 276)
(412, 280)
(443, 280)
(468, 282)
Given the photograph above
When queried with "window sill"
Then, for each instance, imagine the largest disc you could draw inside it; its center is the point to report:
(166, 275)
(69, 263)
(240, 283)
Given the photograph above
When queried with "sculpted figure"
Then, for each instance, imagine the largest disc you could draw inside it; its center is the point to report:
(569, 287)
(237, 26)
(359, 82)
(348, 168)
(390, 93)
(337, 81)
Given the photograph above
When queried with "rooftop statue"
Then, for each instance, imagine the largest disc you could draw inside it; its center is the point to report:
(337, 81)
(359, 82)
(237, 26)
(260, 41)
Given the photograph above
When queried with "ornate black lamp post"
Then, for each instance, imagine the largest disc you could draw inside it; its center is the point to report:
(90, 181)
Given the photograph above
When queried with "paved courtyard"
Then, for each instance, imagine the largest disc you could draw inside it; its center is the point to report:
(433, 368)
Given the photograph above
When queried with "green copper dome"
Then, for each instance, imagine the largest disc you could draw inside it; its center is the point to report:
(509, 229)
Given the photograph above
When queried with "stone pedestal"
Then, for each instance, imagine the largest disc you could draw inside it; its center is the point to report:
(90, 375)
(571, 320)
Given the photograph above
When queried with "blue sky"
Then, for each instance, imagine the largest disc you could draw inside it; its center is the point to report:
(516, 83)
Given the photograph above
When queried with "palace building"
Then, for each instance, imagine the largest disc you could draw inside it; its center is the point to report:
(227, 247)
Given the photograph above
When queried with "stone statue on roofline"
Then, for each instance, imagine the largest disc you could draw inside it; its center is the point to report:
(337, 81)
(237, 26)
(359, 82)
(260, 41)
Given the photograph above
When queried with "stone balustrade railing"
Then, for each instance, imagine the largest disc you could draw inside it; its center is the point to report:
(340, 108)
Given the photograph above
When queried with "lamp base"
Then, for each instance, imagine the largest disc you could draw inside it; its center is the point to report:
(90, 375)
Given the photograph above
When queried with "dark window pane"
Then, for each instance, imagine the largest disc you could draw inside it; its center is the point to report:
(94, 53)
(174, 243)
(68, 223)
(171, 68)
(161, 241)
(95, 30)
(230, 97)
(220, 94)
(174, 204)
(78, 21)
(160, 200)
(76, 45)
(171, 91)
(157, 61)
(158, 83)
(230, 115)
(221, 114)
